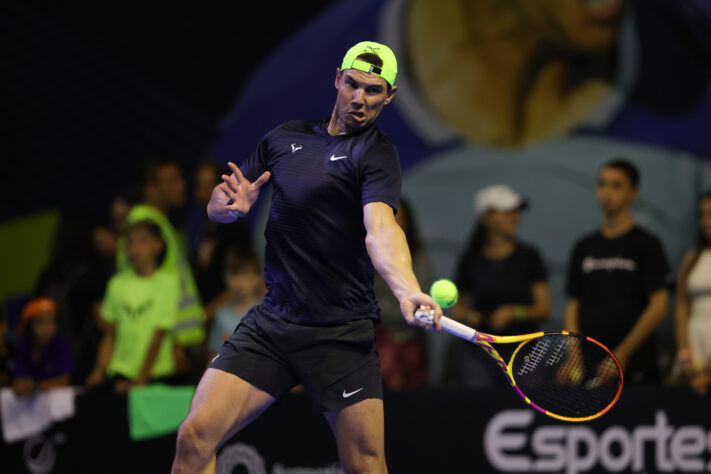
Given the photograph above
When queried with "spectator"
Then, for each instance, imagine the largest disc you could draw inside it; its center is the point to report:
(208, 241)
(243, 279)
(618, 279)
(106, 239)
(140, 311)
(5, 372)
(42, 358)
(693, 306)
(75, 278)
(402, 348)
(502, 282)
(164, 190)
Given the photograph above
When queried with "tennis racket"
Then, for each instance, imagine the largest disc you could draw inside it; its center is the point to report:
(564, 375)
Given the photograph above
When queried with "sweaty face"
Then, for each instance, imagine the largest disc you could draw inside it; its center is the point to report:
(586, 25)
(705, 208)
(615, 192)
(361, 97)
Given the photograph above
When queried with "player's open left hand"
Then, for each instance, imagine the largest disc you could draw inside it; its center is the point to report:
(240, 191)
(422, 301)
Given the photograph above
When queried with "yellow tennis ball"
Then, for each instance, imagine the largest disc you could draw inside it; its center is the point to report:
(444, 292)
(576, 376)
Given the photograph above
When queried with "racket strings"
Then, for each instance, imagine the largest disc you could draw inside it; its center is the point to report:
(567, 374)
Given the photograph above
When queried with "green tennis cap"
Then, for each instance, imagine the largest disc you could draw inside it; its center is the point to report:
(387, 71)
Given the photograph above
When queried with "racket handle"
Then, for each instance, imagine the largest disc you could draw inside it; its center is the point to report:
(449, 325)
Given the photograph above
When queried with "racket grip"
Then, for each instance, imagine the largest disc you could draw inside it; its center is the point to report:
(450, 325)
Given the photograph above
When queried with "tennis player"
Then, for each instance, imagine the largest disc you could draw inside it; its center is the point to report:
(336, 184)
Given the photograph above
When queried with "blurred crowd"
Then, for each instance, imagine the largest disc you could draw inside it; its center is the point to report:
(138, 299)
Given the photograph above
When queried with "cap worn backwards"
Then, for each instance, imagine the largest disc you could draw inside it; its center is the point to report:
(387, 71)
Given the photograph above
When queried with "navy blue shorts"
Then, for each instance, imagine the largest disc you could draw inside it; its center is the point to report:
(337, 365)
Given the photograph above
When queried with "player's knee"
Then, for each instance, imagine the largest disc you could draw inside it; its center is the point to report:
(192, 440)
(365, 461)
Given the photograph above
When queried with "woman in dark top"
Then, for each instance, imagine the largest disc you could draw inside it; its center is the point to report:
(502, 282)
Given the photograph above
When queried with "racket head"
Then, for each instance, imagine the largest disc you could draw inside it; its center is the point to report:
(566, 375)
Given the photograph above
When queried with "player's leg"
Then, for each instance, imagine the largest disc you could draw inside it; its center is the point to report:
(339, 368)
(223, 404)
(359, 432)
(245, 377)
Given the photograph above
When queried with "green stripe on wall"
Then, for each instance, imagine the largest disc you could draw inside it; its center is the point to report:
(24, 250)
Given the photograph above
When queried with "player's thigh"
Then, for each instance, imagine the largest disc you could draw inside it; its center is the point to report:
(360, 432)
(223, 404)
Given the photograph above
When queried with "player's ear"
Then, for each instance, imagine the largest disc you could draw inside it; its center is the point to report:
(391, 94)
(338, 77)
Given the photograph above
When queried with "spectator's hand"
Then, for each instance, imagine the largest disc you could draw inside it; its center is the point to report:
(123, 386)
(238, 188)
(501, 318)
(687, 367)
(105, 241)
(95, 378)
(700, 383)
(23, 386)
(411, 303)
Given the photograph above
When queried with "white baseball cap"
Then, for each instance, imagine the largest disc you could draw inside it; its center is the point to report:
(498, 197)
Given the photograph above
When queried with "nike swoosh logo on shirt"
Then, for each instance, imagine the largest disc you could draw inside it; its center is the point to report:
(348, 394)
(335, 158)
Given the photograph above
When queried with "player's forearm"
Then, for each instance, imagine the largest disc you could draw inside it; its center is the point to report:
(391, 258)
(653, 315)
(145, 375)
(216, 210)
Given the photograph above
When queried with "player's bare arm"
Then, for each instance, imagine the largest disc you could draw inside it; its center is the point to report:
(391, 258)
(234, 197)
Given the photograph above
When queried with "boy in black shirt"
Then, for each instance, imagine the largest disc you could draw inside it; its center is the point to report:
(618, 279)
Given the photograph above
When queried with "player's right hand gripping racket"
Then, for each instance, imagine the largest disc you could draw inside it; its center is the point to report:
(564, 375)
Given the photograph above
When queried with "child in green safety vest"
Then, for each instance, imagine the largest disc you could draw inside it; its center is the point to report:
(140, 310)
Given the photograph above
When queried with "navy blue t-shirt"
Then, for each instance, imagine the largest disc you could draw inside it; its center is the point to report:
(317, 269)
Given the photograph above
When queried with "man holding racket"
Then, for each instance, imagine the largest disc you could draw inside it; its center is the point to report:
(336, 184)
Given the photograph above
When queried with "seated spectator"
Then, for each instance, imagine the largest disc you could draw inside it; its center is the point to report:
(245, 286)
(693, 306)
(42, 357)
(618, 279)
(140, 310)
(402, 348)
(502, 282)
